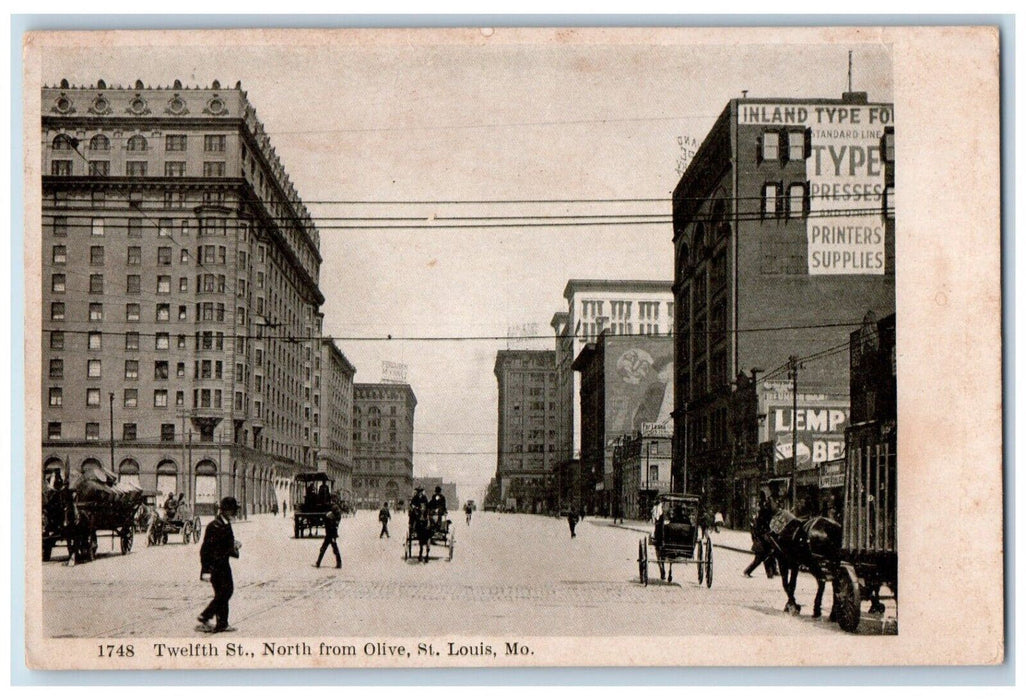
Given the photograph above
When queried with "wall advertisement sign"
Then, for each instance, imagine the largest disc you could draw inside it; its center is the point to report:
(845, 171)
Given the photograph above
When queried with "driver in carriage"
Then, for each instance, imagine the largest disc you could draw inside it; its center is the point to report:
(417, 502)
(437, 506)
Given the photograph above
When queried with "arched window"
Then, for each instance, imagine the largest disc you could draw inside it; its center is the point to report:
(99, 143)
(137, 143)
(206, 482)
(698, 243)
(63, 142)
(167, 479)
(128, 473)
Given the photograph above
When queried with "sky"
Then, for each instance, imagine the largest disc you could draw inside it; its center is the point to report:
(480, 121)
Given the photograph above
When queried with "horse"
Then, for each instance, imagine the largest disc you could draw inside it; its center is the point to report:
(420, 529)
(809, 543)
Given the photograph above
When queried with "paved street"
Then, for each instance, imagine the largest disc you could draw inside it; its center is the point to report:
(510, 574)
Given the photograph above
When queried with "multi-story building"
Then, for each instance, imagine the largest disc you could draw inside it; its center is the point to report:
(783, 233)
(641, 468)
(527, 427)
(333, 415)
(626, 388)
(617, 307)
(180, 293)
(382, 443)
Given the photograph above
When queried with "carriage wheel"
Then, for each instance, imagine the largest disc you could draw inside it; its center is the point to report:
(92, 545)
(163, 536)
(708, 564)
(452, 545)
(847, 598)
(408, 549)
(186, 532)
(643, 561)
(700, 561)
(151, 536)
(127, 538)
(197, 526)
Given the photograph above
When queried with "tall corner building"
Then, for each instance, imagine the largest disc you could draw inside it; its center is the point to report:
(783, 233)
(382, 428)
(527, 428)
(180, 295)
(333, 415)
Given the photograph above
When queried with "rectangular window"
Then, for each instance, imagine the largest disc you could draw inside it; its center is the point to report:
(96, 227)
(167, 432)
(57, 284)
(92, 431)
(135, 227)
(796, 207)
(163, 284)
(179, 398)
(96, 255)
(163, 313)
(93, 397)
(184, 257)
(99, 168)
(888, 145)
(131, 312)
(771, 145)
(60, 254)
(96, 312)
(174, 168)
(53, 431)
(99, 199)
(796, 145)
(162, 341)
(213, 169)
(135, 168)
(163, 256)
(131, 398)
(175, 142)
(770, 196)
(160, 369)
(134, 255)
(57, 311)
(95, 340)
(133, 283)
(56, 396)
(180, 369)
(214, 143)
(60, 226)
(57, 340)
(183, 312)
(92, 369)
(128, 432)
(164, 227)
(56, 368)
(131, 369)
(131, 341)
(60, 167)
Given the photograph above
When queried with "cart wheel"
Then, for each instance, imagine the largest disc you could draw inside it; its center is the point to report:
(127, 537)
(187, 532)
(408, 549)
(643, 561)
(847, 598)
(700, 561)
(91, 546)
(452, 544)
(708, 564)
(197, 527)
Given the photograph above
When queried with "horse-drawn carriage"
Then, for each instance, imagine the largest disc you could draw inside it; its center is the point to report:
(181, 523)
(868, 554)
(74, 517)
(679, 538)
(309, 512)
(426, 529)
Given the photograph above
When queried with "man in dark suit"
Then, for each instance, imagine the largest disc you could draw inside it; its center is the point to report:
(219, 545)
(331, 519)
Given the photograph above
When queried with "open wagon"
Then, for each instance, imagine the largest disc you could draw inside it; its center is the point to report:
(434, 530)
(678, 539)
(868, 556)
(95, 505)
(180, 525)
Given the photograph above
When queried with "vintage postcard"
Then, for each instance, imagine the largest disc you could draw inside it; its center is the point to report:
(513, 347)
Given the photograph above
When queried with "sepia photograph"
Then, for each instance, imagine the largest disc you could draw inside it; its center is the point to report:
(500, 347)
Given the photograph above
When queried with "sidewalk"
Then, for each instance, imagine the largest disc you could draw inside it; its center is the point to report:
(734, 540)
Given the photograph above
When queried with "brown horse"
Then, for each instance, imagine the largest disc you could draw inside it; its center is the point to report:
(420, 529)
(812, 544)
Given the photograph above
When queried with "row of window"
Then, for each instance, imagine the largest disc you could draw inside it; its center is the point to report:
(794, 201)
(793, 144)
(212, 143)
(135, 168)
(129, 431)
(202, 369)
(206, 340)
(202, 398)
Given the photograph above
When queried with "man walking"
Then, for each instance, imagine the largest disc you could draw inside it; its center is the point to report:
(331, 536)
(284, 509)
(384, 516)
(761, 549)
(219, 545)
(571, 519)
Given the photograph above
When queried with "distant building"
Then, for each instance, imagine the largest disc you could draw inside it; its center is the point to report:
(333, 415)
(626, 388)
(641, 468)
(382, 443)
(527, 421)
(783, 231)
(180, 293)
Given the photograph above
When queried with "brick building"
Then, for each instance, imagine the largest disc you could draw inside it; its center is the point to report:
(382, 443)
(180, 294)
(527, 421)
(783, 231)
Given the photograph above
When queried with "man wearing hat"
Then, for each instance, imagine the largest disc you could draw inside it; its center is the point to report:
(331, 519)
(219, 545)
(418, 504)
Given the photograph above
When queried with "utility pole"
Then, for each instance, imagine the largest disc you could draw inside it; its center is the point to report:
(112, 433)
(792, 373)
